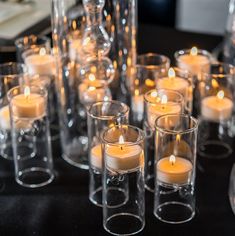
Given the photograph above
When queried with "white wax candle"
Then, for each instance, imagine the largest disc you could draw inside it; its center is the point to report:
(124, 157)
(174, 170)
(42, 64)
(92, 91)
(193, 62)
(217, 108)
(5, 123)
(174, 83)
(96, 156)
(28, 105)
(159, 109)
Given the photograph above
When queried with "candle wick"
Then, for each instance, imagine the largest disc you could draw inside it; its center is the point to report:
(121, 148)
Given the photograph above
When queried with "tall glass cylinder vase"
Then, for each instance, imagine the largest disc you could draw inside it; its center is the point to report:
(67, 17)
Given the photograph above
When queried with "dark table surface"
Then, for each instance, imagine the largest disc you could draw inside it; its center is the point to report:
(63, 208)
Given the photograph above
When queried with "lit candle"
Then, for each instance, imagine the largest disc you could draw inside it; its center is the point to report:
(194, 62)
(96, 156)
(124, 157)
(28, 105)
(173, 83)
(93, 90)
(174, 170)
(161, 107)
(40, 63)
(217, 108)
(5, 123)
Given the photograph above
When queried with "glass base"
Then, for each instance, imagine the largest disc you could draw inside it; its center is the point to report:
(174, 212)
(77, 161)
(149, 183)
(76, 153)
(124, 224)
(120, 199)
(214, 149)
(7, 151)
(35, 177)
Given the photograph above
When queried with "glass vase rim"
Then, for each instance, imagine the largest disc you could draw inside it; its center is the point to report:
(39, 89)
(187, 130)
(19, 40)
(141, 136)
(152, 66)
(106, 117)
(169, 91)
(186, 51)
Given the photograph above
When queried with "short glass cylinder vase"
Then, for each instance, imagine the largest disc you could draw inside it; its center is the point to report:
(11, 74)
(149, 67)
(102, 115)
(175, 164)
(180, 81)
(217, 122)
(30, 42)
(123, 151)
(31, 136)
(157, 103)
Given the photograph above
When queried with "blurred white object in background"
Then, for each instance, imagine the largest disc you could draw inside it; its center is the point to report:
(204, 16)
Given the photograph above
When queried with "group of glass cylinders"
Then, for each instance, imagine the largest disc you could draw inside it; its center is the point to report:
(89, 68)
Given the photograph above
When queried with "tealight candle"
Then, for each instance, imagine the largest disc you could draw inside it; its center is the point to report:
(194, 62)
(5, 123)
(124, 157)
(93, 90)
(174, 170)
(28, 105)
(40, 63)
(162, 107)
(96, 156)
(217, 108)
(173, 83)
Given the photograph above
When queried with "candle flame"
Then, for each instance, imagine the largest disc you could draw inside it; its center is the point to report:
(172, 159)
(164, 99)
(220, 94)
(26, 91)
(194, 51)
(74, 24)
(121, 139)
(154, 94)
(214, 83)
(137, 92)
(171, 73)
(91, 77)
(149, 83)
(42, 51)
(178, 138)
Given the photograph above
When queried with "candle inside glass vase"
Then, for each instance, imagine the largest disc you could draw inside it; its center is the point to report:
(93, 90)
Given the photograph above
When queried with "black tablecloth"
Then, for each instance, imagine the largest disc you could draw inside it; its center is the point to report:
(63, 208)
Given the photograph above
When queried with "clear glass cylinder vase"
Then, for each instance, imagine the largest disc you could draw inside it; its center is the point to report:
(122, 147)
(175, 165)
(67, 28)
(102, 115)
